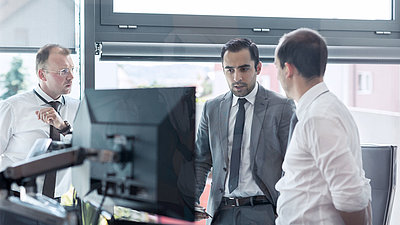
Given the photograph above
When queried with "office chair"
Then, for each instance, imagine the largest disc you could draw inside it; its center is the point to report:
(379, 162)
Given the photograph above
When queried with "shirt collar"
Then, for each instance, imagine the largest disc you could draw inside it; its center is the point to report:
(251, 97)
(47, 97)
(309, 97)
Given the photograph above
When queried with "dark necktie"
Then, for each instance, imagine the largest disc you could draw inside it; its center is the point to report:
(236, 146)
(293, 122)
(50, 177)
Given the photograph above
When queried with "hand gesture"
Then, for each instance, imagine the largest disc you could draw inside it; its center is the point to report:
(50, 116)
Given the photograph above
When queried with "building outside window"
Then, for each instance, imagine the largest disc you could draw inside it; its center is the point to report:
(364, 84)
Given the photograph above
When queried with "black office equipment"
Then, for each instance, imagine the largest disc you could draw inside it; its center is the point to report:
(153, 132)
(30, 205)
(379, 162)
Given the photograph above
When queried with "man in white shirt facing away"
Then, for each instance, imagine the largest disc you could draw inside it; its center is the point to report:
(28, 116)
(324, 181)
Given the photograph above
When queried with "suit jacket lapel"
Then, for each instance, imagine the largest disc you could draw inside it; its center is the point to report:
(224, 110)
(260, 111)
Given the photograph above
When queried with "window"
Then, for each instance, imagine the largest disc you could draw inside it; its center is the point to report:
(370, 10)
(209, 80)
(121, 32)
(138, 47)
(364, 82)
(26, 26)
(359, 23)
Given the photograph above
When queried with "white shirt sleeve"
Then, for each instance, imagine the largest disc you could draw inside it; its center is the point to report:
(335, 156)
(6, 117)
(6, 121)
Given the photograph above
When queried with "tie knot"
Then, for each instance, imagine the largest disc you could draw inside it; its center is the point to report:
(242, 101)
(56, 105)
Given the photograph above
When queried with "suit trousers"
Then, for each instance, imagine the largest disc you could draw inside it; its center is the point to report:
(244, 215)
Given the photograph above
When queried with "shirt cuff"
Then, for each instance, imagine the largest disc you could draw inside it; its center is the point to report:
(352, 201)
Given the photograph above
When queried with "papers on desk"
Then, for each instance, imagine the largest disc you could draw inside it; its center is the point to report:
(39, 147)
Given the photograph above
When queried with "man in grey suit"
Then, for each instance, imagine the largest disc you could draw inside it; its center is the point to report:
(243, 136)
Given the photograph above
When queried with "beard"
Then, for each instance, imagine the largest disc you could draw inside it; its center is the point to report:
(240, 89)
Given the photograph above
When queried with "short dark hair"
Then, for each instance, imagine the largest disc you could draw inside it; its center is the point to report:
(43, 54)
(305, 49)
(238, 44)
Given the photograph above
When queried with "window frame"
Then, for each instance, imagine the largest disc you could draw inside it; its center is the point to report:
(33, 48)
(338, 32)
(349, 41)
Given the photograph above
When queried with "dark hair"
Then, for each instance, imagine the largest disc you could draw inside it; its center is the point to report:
(238, 44)
(306, 49)
(43, 54)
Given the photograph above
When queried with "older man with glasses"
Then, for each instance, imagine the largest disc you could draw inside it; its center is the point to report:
(42, 112)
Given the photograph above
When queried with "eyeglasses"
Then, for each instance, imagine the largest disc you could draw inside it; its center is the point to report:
(63, 72)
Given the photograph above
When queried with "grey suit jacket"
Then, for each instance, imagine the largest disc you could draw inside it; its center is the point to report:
(269, 136)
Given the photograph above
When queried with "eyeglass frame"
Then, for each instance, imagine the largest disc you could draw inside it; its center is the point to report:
(71, 70)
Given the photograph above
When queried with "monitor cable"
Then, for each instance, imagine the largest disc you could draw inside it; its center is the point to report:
(98, 212)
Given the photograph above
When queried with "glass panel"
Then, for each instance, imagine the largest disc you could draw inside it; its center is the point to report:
(375, 99)
(28, 23)
(371, 91)
(19, 69)
(333, 9)
(367, 86)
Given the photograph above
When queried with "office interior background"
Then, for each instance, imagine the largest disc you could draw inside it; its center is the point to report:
(120, 44)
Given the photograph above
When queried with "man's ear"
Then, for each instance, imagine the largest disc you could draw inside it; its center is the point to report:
(41, 75)
(258, 67)
(290, 70)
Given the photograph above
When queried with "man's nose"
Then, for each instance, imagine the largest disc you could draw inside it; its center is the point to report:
(71, 75)
(237, 76)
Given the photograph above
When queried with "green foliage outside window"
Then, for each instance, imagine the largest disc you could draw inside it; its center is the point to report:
(13, 81)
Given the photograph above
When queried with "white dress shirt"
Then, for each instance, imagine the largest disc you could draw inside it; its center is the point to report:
(323, 164)
(20, 127)
(247, 185)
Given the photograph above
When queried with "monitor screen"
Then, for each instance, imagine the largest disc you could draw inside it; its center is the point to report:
(152, 130)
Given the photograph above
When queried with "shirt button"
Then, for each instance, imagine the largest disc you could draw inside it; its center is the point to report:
(224, 169)
(221, 190)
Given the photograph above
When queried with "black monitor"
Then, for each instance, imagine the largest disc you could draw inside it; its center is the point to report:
(153, 131)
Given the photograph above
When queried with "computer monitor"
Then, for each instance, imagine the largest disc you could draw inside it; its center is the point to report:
(153, 130)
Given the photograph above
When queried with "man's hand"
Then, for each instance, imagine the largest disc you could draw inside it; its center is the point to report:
(200, 213)
(50, 116)
(362, 217)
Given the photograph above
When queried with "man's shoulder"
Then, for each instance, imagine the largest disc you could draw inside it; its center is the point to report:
(327, 108)
(274, 98)
(327, 103)
(219, 98)
(71, 100)
(20, 102)
(20, 98)
(271, 94)
(72, 104)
